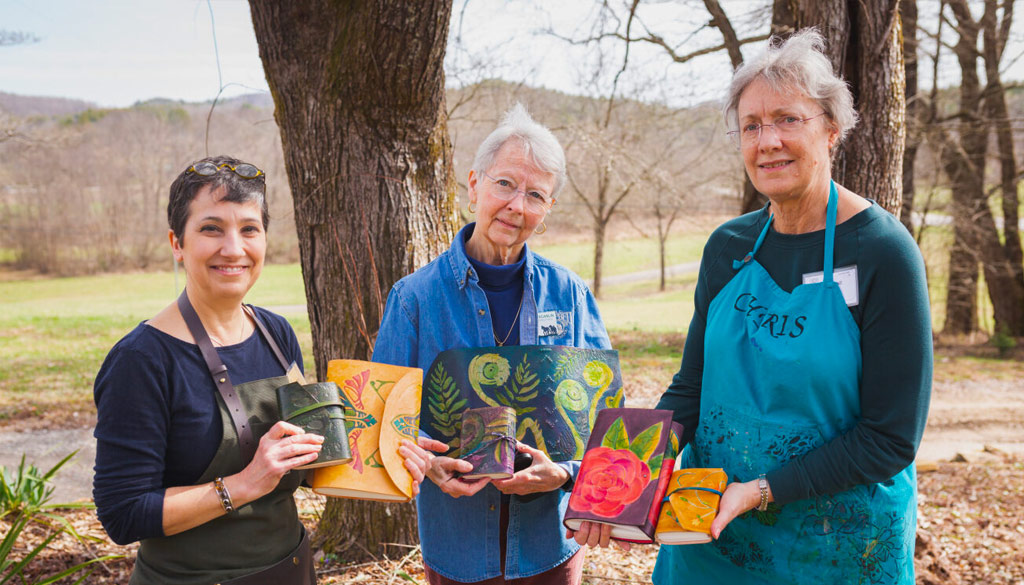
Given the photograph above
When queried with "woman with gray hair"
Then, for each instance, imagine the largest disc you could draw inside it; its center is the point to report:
(806, 373)
(490, 289)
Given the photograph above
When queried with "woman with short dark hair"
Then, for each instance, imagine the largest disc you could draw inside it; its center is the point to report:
(191, 459)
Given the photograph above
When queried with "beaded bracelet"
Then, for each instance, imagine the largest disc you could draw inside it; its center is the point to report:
(223, 494)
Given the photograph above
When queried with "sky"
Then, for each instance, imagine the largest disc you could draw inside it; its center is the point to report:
(115, 53)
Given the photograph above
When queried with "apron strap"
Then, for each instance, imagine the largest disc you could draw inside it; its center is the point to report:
(219, 375)
(266, 335)
(830, 231)
(737, 264)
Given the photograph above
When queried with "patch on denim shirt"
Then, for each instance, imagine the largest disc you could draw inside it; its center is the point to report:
(553, 323)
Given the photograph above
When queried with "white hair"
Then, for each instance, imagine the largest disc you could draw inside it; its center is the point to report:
(796, 64)
(539, 144)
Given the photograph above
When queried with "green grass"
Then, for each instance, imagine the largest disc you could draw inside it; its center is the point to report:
(624, 256)
(55, 332)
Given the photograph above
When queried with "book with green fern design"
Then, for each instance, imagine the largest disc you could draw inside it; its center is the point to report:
(555, 392)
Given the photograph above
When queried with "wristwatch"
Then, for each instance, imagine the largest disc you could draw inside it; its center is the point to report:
(762, 484)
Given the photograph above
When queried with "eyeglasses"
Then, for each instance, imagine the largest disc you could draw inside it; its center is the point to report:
(785, 127)
(208, 169)
(506, 190)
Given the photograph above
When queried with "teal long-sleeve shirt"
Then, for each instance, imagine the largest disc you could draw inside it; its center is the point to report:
(893, 315)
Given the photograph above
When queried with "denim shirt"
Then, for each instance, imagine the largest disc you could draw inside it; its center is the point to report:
(442, 306)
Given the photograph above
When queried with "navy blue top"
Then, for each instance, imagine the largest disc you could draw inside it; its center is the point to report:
(503, 286)
(158, 421)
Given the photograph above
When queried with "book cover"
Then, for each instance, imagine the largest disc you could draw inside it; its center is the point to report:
(556, 392)
(690, 506)
(382, 406)
(317, 409)
(625, 472)
(488, 441)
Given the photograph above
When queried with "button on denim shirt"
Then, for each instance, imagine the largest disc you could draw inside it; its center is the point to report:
(441, 306)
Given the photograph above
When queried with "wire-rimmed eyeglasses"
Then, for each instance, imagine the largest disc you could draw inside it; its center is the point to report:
(505, 189)
(208, 169)
(784, 126)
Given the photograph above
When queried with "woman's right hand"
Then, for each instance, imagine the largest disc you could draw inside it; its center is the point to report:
(283, 448)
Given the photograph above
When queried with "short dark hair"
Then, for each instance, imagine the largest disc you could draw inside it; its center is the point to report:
(238, 190)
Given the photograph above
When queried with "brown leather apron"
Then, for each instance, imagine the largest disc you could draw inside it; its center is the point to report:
(235, 548)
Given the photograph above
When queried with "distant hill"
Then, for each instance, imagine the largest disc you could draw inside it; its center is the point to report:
(26, 105)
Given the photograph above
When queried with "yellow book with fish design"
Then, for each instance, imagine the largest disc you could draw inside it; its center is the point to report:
(382, 407)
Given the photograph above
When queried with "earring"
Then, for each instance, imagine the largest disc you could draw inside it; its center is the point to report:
(541, 228)
(471, 207)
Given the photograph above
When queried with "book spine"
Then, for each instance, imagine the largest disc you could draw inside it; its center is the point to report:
(663, 479)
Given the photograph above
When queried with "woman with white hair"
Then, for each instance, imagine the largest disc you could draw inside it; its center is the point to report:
(490, 289)
(806, 373)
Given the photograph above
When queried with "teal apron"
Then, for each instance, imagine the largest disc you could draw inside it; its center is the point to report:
(262, 536)
(781, 378)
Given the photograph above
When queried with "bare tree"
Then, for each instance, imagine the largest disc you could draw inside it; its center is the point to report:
(360, 103)
(964, 156)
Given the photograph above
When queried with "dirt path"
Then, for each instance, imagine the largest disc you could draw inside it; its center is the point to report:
(966, 416)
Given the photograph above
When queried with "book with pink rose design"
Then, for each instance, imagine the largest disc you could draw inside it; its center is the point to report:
(625, 472)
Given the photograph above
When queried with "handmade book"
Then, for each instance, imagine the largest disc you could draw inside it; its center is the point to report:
(382, 405)
(690, 505)
(317, 408)
(555, 391)
(625, 472)
(488, 442)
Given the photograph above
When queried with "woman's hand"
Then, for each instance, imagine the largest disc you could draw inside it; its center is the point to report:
(541, 476)
(283, 448)
(418, 458)
(593, 534)
(441, 470)
(737, 499)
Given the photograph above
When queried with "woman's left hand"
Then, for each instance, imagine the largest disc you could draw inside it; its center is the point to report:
(541, 476)
(737, 499)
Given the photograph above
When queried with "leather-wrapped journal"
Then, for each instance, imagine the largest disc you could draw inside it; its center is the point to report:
(317, 408)
(488, 441)
(625, 472)
(382, 407)
(690, 505)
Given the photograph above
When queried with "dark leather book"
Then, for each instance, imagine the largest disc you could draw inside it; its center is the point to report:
(317, 408)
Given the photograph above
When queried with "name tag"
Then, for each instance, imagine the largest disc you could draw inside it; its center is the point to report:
(553, 323)
(846, 278)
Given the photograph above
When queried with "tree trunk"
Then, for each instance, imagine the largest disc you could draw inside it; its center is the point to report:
(599, 232)
(358, 91)
(915, 109)
(1004, 270)
(862, 39)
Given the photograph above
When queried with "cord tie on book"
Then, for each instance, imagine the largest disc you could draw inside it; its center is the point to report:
(692, 488)
(494, 438)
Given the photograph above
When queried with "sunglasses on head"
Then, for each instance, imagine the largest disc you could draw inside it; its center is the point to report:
(208, 169)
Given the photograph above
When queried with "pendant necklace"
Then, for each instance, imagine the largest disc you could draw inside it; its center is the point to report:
(501, 342)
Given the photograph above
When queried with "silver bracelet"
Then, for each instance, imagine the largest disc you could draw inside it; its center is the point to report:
(762, 483)
(224, 495)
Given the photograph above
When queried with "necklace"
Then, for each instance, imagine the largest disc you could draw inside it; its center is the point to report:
(241, 334)
(501, 342)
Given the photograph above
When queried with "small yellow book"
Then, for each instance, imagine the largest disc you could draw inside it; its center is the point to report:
(693, 496)
(382, 407)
